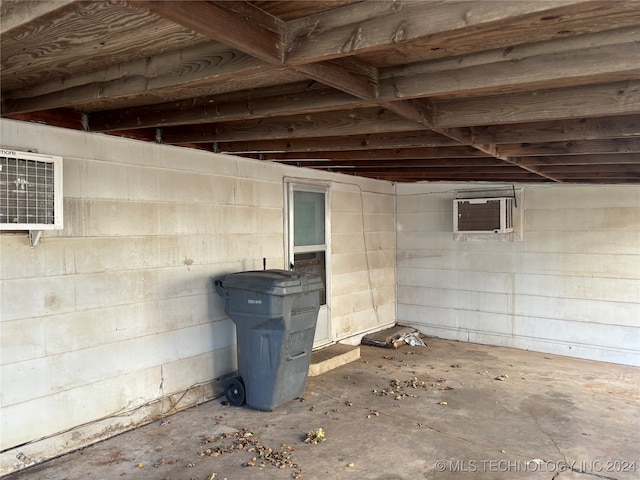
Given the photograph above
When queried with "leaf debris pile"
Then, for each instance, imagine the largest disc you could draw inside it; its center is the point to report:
(263, 455)
(401, 389)
(315, 436)
(268, 456)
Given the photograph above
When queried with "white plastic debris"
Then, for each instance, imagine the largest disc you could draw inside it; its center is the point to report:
(413, 339)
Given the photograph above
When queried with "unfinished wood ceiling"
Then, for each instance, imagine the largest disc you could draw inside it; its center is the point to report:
(406, 91)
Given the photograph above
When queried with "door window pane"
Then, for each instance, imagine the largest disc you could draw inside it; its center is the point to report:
(313, 263)
(308, 218)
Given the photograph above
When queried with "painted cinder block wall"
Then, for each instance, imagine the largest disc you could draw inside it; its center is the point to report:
(570, 285)
(114, 321)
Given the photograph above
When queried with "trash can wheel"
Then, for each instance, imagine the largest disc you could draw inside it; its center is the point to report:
(234, 391)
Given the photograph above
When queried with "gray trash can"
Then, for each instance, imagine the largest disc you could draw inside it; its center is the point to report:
(275, 312)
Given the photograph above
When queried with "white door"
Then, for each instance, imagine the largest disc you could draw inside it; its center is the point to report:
(308, 244)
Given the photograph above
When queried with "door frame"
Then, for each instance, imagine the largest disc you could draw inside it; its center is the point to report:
(291, 185)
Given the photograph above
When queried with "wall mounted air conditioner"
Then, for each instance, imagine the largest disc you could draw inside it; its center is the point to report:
(483, 215)
(30, 191)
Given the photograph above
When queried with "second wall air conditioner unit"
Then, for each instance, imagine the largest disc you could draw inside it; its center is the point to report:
(483, 215)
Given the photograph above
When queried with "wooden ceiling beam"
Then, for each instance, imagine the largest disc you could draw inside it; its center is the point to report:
(516, 73)
(557, 104)
(347, 75)
(240, 25)
(515, 53)
(164, 74)
(287, 10)
(100, 33)
(415, 178)
(420, 178)
(617, 145)
(362, 28)
(205, 65)
(578, 129)
(584, 159)
(447, 162)
(255, 32)
(602, 180)
(60, 117)
(260, 78)
(433, 170)
(461, 151)
(17, 16)
(423, 111)
(561, 25)
(463, 135)
(353, 122)
(427, 175)
(291, 99)
(592, 170)
(404, 139)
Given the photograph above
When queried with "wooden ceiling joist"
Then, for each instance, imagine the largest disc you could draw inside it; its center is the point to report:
(237, 24)
(383, 154)
(16, 15)
(427, 176)
(292, 101)
(368, 141)
(470, 77)
(395, 164)
(400, 90)
(587, 159)
(576, 129)
(361, 28)
(160, 76)
(617, 145)
(353, 122)
(537, 106)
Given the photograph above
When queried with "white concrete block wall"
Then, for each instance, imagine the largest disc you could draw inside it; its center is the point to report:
(117, 313)
(570, 287)
(363, 263)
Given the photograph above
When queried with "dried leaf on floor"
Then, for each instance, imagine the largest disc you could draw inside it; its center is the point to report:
(315, 436)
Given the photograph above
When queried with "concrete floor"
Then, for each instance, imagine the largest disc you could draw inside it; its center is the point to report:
(482, 413)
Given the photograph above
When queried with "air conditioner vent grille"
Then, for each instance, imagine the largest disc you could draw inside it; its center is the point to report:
(483, 215)
(30, 191)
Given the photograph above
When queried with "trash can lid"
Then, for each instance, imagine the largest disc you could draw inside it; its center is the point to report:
(275, 282)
